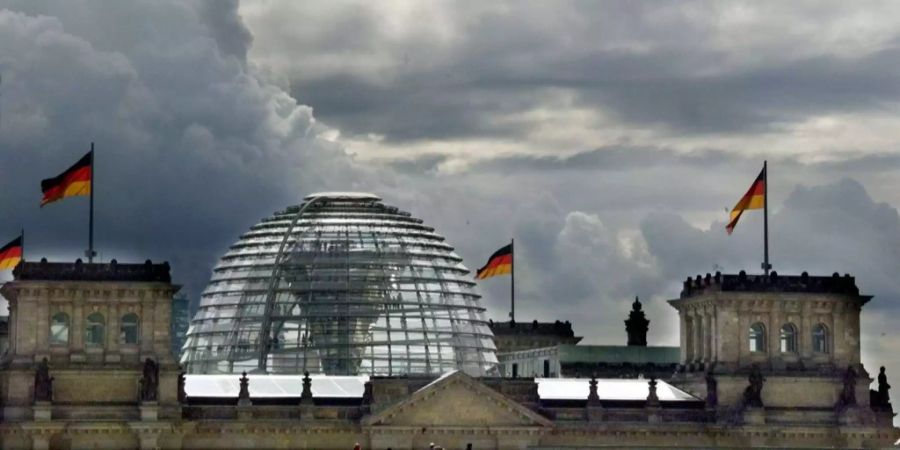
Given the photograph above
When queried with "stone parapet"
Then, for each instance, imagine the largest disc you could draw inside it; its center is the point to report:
(79, 271)
(742, 282)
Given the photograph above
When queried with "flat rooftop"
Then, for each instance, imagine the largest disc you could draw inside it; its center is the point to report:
(352, 387)
(563, 329)
(619, 354)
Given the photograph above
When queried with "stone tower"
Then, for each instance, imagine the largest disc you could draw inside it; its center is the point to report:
(637, 325)
(772, 340)
(103, 330)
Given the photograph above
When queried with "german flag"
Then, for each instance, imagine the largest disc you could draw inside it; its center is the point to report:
(11, 254)
(75, 181)
(500, 263)
(755, 198)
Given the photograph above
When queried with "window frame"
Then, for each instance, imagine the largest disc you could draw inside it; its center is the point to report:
(757, 335)
(88, 324)
(787, 341)
(68, 325)
(123, 336)
(825, 339)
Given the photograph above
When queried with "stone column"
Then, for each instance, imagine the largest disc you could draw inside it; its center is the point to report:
(77, 326)
(852, 320)
(43, 325)
(839, 341)
(161, 323)
(702, 355)
(147, 326)
(683, 337)
(743, 349)
(698, 336)
(25, 338)
(707, 336)
(774, 331)
(76, 330)
(714, 332)
(112, 336)
(805, 331)
(13, 318)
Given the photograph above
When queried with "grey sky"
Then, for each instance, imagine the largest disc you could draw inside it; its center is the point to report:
(607, 137)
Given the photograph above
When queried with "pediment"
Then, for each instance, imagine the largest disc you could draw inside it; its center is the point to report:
(457, 400)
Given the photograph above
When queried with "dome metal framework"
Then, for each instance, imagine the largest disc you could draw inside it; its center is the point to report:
(342, 285)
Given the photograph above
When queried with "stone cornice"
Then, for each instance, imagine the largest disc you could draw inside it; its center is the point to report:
(742, 282)
(79, 271)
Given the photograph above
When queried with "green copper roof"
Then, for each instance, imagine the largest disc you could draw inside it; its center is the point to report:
(618, 354)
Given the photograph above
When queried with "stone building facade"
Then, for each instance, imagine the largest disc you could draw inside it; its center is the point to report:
(605, 361)
(104, 384)
(801, 332)
(511, 336)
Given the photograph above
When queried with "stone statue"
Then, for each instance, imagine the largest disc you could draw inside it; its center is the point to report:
(182, 394)
(43, 383)
(593, 398)
(712, 393)
(367, 394)
(244, 393)
(150, 381)
(848, 393)
(652, 398)
(753, 392)
(884, 397)
(306, 396)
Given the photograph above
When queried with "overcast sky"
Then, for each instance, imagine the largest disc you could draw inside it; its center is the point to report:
(608, 138)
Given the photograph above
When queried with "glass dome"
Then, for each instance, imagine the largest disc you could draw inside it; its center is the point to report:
(342, 285)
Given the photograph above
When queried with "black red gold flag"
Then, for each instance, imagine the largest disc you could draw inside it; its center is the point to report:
(755, 198)
(500, 263)
(11, 254)
(75, 181)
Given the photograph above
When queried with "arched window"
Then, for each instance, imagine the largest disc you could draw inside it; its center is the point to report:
(94, 329)
(820, 339)
(789, 338)
(59, 329)
(757, 337)
(131, 327)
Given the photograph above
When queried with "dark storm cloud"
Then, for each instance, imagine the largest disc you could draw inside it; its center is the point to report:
(756, 100)
(612, 158)
(226, 26)
(192, 147)
(415, 108)
(643, 158)
(644, 67)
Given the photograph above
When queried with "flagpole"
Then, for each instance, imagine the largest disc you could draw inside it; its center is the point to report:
(512, 285)
(90, 252)
(23, 245)
(766, 265)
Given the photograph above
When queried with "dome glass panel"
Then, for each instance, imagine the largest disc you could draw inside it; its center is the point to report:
(341, 285)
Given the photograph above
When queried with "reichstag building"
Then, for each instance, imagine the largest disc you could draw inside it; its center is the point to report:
(345, 321)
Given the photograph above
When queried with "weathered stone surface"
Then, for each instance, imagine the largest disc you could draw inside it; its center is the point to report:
(96, 396)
